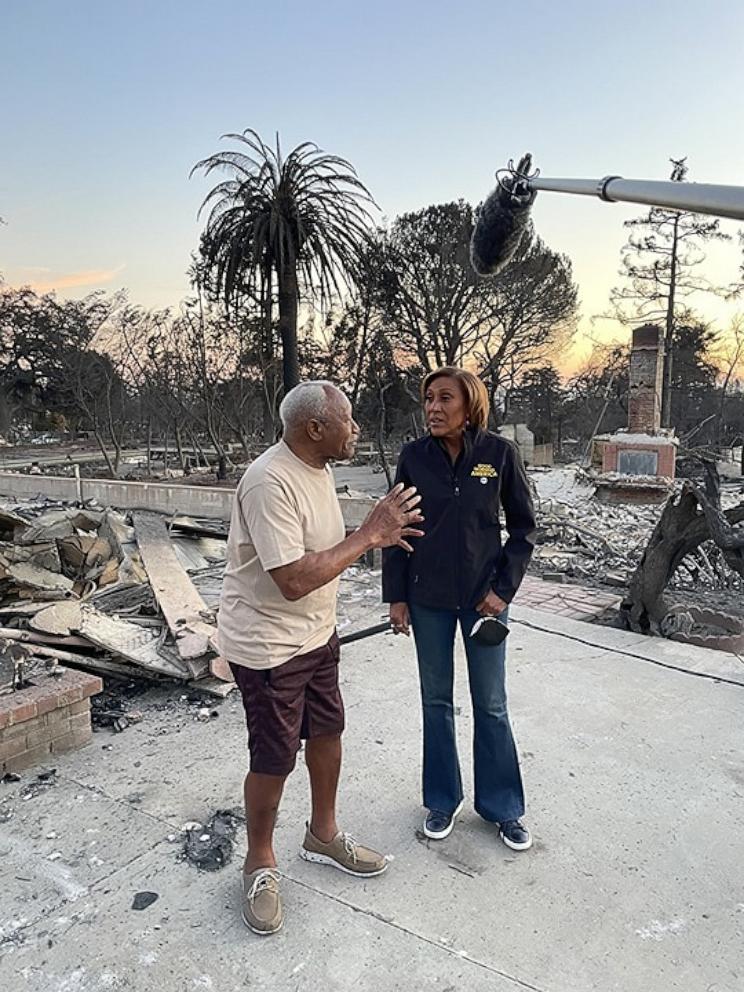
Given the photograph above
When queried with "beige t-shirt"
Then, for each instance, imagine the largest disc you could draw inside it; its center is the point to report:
(283, 509)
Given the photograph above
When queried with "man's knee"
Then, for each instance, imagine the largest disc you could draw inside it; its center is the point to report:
(321, 744)
(276, 763)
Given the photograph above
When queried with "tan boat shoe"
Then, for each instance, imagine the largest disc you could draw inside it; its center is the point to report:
(262, 901)
(345, 853)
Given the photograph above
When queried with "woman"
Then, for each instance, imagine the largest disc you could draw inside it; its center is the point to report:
(461, 571)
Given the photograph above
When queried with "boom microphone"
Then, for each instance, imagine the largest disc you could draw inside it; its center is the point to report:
(503, 219)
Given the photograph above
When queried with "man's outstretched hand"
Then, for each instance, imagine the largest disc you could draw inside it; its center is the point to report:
(393, 519)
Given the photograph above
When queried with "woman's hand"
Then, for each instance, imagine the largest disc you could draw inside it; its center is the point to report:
(491, 605)
(400, 618)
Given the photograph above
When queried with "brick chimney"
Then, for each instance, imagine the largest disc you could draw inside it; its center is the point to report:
(646, 377)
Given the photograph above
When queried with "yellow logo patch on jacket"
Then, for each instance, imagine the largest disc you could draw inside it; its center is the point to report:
(483, 471)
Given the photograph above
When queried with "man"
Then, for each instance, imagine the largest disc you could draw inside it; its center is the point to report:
(277, 621)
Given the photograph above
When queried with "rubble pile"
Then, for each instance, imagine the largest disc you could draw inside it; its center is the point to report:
(595, 542)
(116, 594)
(589, 540)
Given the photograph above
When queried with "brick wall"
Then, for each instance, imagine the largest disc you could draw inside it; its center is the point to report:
(48, 718)
(646, 376)
(667, 456)
(667, 461)
(642, 495)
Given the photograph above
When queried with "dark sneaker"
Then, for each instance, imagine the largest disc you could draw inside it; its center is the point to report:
(438, 825)
(515, 835)
(262, 903)
(345, 853)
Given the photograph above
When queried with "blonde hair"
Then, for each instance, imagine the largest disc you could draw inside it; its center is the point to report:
(474, 392)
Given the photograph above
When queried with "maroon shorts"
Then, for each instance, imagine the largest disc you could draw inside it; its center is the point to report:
(295, 701)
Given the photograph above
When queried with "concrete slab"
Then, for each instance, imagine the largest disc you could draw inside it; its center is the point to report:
(192, 938)
(635, 785)
(60, 845)
(654, 650)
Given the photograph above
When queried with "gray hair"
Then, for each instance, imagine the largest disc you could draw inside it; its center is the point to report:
(308, 401)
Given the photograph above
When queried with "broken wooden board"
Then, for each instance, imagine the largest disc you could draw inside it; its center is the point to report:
(124, 598)
(22, 609)
(45, 595)
(42, 579)
(32, 637)
(119, 637)
(61, 619)
(127, 640)
(97, 664)
(120, 669)
(200, 528)
(182, 606)
(131, 642)
(188, 554)
(58, 654)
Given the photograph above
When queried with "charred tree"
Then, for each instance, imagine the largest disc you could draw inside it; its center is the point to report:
(688, 519)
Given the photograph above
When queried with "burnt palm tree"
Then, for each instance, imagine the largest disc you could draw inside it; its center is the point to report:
(283, 222)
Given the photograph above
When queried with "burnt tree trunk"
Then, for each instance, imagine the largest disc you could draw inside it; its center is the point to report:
(179, 445)
(723, 530)
(687, 521)
(380, 435)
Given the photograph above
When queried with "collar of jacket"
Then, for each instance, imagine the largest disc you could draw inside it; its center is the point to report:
(470, 437)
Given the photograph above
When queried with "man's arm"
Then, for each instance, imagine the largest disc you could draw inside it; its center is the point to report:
(316, 569)
(389, 523)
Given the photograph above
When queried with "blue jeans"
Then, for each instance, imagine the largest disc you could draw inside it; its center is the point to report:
(499, 795)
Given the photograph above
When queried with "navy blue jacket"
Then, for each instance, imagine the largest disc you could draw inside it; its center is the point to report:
(462, 555)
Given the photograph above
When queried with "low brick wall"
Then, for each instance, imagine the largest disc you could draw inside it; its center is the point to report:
(48, 718)
(667, 454)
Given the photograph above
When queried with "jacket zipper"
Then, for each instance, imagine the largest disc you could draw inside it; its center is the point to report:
(456, 484)
(462, 458)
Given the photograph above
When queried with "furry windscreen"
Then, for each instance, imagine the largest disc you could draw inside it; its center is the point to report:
(497, 234)
(502, 220)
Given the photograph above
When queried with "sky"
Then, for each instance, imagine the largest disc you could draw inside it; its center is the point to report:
(108, 105)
